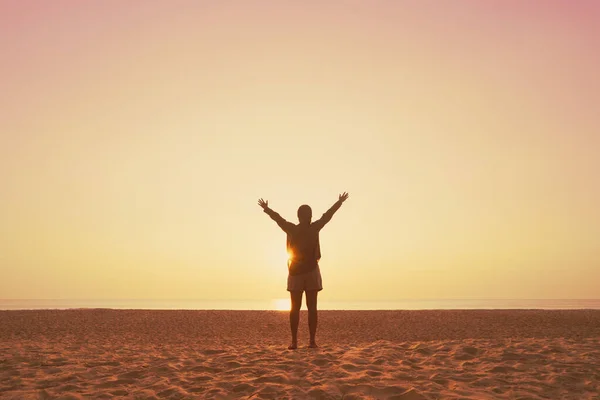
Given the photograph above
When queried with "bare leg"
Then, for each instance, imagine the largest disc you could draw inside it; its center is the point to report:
(311, 304)
(296, 298)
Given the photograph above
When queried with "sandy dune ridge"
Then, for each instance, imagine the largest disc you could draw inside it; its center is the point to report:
(517, 354)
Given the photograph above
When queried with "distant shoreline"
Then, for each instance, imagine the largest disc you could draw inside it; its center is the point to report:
(283, 304)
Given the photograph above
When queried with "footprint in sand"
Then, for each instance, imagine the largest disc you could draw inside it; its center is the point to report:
(350, 367)
(58, 361)
(243, 387)
(203, 368)
(405, 377)
(117, 382)
(440, 380)
(46, 383)
(233, 364)
(509, 355)
(160, 370)
(102, 364)
(210, 352)
(320, 394)
(197, 389)
(380, 361)
(463, 356)
(137, 374)
(502, 369)
(52, 371)
(202, 378)
(470, 350)
(271, 379)
(68, 388)
(321, 362)
(484, 382)
(70, 377)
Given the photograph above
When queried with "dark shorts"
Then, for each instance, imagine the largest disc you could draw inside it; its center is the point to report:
(307, 281)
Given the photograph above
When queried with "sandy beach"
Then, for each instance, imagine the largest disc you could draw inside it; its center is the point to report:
(411, 355)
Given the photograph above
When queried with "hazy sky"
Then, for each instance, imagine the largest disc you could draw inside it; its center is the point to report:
(136, 137)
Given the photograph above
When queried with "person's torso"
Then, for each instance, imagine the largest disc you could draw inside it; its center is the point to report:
(303, 249)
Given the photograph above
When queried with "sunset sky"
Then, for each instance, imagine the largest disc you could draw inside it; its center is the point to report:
(136, 137)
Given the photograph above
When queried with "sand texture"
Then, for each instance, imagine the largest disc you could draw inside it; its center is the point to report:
(408, 355)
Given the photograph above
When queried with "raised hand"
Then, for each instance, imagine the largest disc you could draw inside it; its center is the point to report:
(343, 197)
(263, 203)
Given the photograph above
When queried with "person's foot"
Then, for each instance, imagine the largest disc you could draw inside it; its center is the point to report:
(293, 346)
(313, 345)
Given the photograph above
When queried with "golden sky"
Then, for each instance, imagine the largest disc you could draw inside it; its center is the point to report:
(136, 137)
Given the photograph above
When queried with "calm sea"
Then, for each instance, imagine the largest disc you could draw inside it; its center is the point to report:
(283, 304)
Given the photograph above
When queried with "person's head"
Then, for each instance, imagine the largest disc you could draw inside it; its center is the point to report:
(304, 214)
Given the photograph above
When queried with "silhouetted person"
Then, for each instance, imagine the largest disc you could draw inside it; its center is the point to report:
(303, 263)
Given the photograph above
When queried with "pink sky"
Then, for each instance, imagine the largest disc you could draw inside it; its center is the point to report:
(135, 138)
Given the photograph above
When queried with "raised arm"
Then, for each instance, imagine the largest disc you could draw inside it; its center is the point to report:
(320, 223)
(283, 224)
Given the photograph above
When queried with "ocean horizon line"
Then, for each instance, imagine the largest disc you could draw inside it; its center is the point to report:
(282, 304)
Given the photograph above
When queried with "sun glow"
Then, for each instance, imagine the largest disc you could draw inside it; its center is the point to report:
(281, 304)
(151, 180)
(278, 255)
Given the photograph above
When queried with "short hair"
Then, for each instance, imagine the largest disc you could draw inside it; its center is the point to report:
(304, 213)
